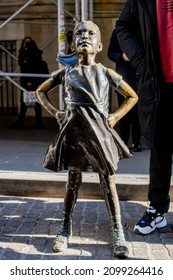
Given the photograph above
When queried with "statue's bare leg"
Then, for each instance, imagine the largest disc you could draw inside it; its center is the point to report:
(112, 202)
(60, 243)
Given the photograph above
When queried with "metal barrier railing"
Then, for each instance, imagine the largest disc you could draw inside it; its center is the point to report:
(8, 75)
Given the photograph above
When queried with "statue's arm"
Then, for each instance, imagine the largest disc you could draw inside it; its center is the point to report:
(43, 90)
(130, 97)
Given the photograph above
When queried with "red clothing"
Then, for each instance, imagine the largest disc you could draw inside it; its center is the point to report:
(164, 9)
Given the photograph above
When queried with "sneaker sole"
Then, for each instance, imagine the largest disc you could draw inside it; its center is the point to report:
(145, 231)
(148, 230)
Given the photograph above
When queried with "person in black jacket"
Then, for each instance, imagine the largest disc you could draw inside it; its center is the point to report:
(145, 38)
(129, 124)
(30, 61)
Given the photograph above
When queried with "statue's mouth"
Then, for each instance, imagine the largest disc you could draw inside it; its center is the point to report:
(84, 44)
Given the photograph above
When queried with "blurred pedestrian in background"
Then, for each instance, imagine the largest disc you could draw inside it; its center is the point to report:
(129, 125)
(69, 40)
(30, 61)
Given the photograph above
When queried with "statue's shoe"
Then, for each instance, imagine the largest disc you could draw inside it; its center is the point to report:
(121, 252)
(60, 243)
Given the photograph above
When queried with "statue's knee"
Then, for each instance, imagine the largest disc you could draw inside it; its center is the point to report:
(104, 183)
(74, 178)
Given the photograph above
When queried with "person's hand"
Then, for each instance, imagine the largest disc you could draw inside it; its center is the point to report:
(125, 57)
(60, 115)
(112, 120)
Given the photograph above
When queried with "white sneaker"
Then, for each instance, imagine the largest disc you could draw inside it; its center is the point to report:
(150, 221)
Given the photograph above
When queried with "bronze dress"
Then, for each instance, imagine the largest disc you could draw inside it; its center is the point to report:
(85, 139)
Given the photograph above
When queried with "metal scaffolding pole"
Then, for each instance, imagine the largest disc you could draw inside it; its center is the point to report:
(11, 55)
(61, 27)
(77, 11)
(91, 9)
(8, 74)
(84, 10)
(16, 13)
(12, 81)
(61, 43)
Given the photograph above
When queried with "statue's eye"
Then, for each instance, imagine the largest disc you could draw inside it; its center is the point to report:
(77, 33)
(91, 33)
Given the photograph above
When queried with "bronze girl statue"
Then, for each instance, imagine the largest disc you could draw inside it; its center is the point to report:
(87, 138)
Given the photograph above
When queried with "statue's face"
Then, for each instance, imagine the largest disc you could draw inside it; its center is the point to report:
(86, 38)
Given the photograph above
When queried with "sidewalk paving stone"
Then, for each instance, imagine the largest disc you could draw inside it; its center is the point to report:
(28, 226)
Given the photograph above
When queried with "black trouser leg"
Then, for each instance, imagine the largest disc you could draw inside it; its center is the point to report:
(161, 152)
(160, 177)
(112, 202)
(22, 113)
(38, 114)
(136, 129)
(124, 123)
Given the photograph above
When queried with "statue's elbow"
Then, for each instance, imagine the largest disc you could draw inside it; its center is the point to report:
(39, 95)
(137, 98)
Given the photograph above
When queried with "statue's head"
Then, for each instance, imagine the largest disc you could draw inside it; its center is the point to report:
(86, 38)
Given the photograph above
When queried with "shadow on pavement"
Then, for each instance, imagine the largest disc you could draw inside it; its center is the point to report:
(28, 226)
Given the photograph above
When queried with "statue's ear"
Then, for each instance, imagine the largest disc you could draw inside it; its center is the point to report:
(71, 46)
(100, 47)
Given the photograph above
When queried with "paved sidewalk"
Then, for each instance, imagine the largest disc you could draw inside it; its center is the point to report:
(28, 226)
